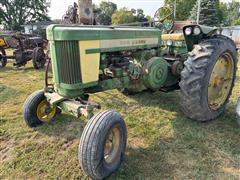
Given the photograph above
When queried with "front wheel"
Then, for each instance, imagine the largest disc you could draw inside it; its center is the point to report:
(3, 60)
(36, 110)
(208, 78)
(102, 145)
(38, 58)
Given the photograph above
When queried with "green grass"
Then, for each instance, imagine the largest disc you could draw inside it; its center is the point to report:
(162, 142)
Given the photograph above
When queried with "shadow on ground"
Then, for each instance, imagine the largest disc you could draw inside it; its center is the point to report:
(22, 69)
(64, 126)
(193, 149)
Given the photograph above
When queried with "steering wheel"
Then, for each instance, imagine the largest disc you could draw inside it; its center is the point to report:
(164, 19)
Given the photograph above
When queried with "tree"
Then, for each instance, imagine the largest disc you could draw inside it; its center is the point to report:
(208, 13)
(15, 13)
(237, 22)
(183, 8)
(227, 13)
(220, 11)
(123, 16)
(104, 12)
(231, 12)
(140, 16)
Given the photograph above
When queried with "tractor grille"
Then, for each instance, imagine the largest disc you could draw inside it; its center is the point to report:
(68, 57)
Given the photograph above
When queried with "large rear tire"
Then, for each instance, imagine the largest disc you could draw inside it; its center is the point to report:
(208, 78)
(102, 145)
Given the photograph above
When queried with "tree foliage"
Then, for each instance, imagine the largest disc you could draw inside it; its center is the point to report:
(14, 13)
(208, 13)
(123, 16)
(231, 13)
(225, 14)
(237, 22)
(104, 12)
(140, 16)
(183, 8)
(220, 12)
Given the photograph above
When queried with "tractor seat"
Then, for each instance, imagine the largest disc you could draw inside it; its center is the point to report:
(176, 32)
(173, 37)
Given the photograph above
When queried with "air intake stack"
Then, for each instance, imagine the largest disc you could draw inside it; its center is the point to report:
(85, 12)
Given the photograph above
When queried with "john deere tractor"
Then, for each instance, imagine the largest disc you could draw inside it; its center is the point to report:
(90, 59)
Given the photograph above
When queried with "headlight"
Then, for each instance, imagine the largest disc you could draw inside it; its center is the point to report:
(169, 42)
(196, 30)
(188, 31)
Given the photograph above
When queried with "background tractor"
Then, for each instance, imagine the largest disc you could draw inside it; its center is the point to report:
(90, 59)
(25, 48)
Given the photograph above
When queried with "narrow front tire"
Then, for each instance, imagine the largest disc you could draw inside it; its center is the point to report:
(37, 111)
(102, 145)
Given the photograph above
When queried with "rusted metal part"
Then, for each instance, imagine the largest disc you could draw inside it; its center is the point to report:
(232, 32)
(23, 46)
(38, 58)
(86, 14)
(178, 25)
(81, 13)
(71, 16)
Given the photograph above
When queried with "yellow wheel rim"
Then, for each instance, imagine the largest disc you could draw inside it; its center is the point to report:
(220, 82)
(112, 145)
(44, 112)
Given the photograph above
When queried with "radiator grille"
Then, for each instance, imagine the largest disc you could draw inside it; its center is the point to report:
(68, 57)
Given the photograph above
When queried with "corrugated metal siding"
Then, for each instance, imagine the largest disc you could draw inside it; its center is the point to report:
(233, 33)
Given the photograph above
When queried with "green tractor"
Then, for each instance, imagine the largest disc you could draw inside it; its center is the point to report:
(90, 59)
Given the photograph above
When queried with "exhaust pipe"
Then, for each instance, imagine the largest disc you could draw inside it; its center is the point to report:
(238, 111)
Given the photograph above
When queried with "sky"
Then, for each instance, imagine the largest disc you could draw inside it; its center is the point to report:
(59, 7)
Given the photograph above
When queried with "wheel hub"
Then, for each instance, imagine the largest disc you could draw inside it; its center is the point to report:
(112, 145)
(44, 112)
(220, 81)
